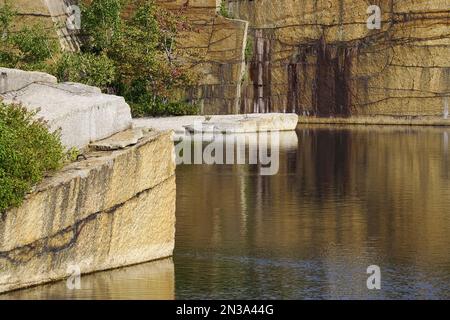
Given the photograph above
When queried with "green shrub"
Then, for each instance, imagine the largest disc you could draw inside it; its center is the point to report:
(101, 23)
(33, 44)
(223, 10)
(27, 152)
(28, 48)
(249, 50)
(135, 57)
(144, 52)
(161, 109)
(87, 68)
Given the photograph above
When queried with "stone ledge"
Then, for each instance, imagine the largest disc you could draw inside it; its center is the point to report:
(139, 230)
(223, 123)
(104, 180)
(82, 112)
(116, 208)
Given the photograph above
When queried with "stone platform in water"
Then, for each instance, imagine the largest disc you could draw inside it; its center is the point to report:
(82, 112)
(249, 123)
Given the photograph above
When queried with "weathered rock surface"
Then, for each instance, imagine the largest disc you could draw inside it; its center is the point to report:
(82, 112)
(311, 57)
(120, 140)
(248, 123)
(114, 209)
(216, 47)
(222, 123)
(176, 124)
(52, 15)
(319, 58)
(14, 79)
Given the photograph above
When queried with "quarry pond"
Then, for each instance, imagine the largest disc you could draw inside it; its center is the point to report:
(345, 198)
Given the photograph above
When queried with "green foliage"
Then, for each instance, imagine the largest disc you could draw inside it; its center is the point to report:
(27, 152)
(33, 45)
(249, 49)
(88, 68)
(223, 10)
(27, 48)
(101, 23)
(136, 57)
(160, 108)
(143, 50)
(72, 154)
(7, 15)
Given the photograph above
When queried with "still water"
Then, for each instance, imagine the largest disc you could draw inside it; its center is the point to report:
(344, 198)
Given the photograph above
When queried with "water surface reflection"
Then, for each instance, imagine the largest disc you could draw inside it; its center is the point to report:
(345, 198)
(147, 281)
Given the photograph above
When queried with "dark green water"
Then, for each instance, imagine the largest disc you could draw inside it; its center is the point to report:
(344, 198)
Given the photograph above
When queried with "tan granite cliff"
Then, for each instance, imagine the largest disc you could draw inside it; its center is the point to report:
(107, 210)
(319, 57)
(312, 57)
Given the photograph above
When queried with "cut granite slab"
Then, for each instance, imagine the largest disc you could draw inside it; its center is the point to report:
(222, 123)
(176, 124)
(118, 141)
(81, 112)
(247, 123)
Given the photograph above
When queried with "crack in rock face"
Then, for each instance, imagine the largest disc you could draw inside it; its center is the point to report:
(320, 58)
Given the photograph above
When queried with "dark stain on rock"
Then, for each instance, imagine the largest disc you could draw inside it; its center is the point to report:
(293, 88)
(332, 96)
(261, 73)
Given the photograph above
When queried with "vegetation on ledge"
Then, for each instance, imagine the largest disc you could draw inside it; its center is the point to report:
(133, 56)
(27, 151)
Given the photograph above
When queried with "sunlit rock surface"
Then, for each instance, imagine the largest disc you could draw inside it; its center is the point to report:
(216, 47)
(114, 209)
(82, 112)
(319, 58)
(222, 123)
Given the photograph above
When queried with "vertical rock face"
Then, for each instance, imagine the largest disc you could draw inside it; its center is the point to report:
(216, 45)
(52, 15)
(114, 209)
(319, 57)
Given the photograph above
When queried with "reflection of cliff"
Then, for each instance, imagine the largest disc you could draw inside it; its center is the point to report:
(345, 199)
(319, 57)
(150, 281)
(394, 184)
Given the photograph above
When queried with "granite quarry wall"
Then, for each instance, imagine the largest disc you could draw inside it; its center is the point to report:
(113, 207)
(217, 53)
(318, 57)
(312, 57)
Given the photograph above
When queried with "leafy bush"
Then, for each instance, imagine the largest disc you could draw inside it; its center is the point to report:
(144, 52)
(27, 152)
(161, 108)
(101, 23)
(136, 57)
(94, 70)
(28, 48)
